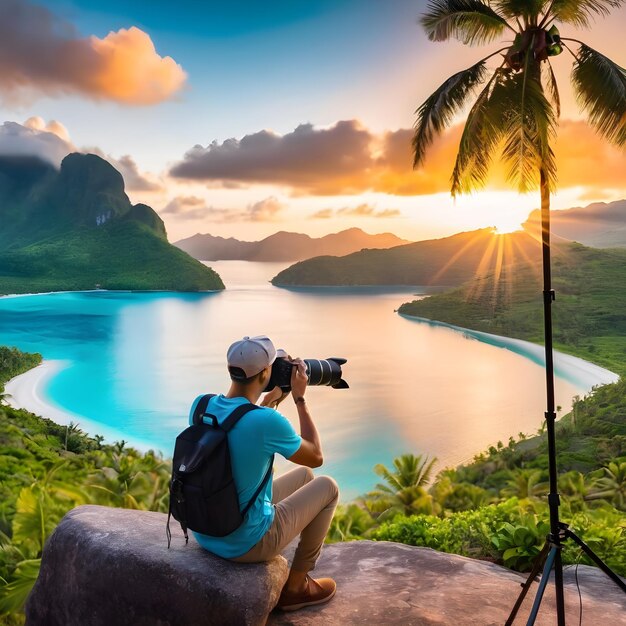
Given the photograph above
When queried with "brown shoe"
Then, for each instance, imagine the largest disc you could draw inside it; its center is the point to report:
(316, 591)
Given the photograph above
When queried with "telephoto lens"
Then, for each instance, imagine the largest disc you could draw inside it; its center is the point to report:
(320, 372)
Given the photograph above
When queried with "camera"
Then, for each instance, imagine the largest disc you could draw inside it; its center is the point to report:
(319, 372)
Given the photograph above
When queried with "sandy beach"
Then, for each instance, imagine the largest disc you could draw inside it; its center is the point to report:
(26, 391)
(572, 368)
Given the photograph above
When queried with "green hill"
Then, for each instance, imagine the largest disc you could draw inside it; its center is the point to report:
(589, 312)
(76, 229)
(448, 261)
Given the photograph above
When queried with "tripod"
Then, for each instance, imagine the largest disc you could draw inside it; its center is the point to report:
(550, 556)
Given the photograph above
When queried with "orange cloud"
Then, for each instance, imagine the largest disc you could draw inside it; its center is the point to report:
(584, 159)
(361, 210)
(42, 55)
(131, 71)
(195, 208)
(349, 159)
(54, 127)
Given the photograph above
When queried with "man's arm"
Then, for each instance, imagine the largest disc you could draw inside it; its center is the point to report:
(310, 451)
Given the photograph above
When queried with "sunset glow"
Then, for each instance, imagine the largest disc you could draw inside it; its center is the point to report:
(241, 112)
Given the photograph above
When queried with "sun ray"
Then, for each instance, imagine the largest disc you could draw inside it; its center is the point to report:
(481, 275)
(455, 257)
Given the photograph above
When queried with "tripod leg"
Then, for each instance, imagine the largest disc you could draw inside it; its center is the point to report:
(558, 588)
(545, 576)
(539, 561)
(596, 559)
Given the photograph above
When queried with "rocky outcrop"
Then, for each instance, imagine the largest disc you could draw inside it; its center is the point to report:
(111, 567)
(382, 583)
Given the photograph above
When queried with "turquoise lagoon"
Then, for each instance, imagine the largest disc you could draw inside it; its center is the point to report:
(130, 364)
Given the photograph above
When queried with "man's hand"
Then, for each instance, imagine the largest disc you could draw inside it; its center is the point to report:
(310, 451)
(299, 379)
(274, 397)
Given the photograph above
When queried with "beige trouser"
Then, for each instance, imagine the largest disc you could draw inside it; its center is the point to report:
(304, 506)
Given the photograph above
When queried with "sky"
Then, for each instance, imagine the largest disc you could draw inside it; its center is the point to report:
(243, 118)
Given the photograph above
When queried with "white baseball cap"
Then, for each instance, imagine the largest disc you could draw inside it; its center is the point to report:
(250, 355)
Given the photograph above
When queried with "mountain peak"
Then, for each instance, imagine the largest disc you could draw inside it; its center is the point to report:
(285, 246)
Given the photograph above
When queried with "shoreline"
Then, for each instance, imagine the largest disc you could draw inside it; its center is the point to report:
(26, 391)
(52, 293)
(575, 370)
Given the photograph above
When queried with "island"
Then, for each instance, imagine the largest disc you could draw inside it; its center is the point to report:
(75, 229)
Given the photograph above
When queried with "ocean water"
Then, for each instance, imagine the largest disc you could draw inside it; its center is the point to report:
(133, 363)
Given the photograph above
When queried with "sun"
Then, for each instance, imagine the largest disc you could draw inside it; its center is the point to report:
(507, 224)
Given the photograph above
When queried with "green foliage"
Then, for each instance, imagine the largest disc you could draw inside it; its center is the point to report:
(470, 21)
(46, 470)
(467, 532)
(351, 521)
(604, 531)
(13, 363)
(13, 594)
(448, 261)
(511, 533)
(404, 488)
(521, 543)
(439, 109)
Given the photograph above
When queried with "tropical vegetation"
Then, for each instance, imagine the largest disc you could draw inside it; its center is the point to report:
(47, 469)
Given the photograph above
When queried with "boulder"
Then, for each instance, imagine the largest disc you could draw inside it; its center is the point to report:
(106, 566)
(383, 583)
(112, 566)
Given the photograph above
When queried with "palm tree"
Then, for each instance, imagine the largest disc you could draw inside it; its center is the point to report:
(404, 490)
(612, 485)
(516, 112)
(524, 483)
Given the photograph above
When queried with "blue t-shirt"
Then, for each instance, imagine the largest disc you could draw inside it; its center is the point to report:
(252, 442)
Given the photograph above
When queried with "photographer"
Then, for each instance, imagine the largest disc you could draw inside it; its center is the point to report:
(296, 503)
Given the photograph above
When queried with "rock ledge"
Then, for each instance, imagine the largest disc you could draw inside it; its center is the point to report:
(105, 566)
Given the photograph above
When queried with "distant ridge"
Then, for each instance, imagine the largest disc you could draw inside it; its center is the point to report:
(284, 246)
(446, 261)
(599, 225)
(453, 260)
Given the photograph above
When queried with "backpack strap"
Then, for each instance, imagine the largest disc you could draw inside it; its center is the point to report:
(201, 407)
(227, 425)
(236, 415)
(259, 488)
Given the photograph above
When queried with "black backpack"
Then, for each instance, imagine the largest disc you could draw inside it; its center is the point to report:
(203, 495)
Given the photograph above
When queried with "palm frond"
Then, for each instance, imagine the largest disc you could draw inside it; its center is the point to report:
(580, 13)
(512, 112)
(391, 479)
(553, 89)
(600, 86)
(528, 10)
(529, 127)
(469, 21)
(481, 135)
